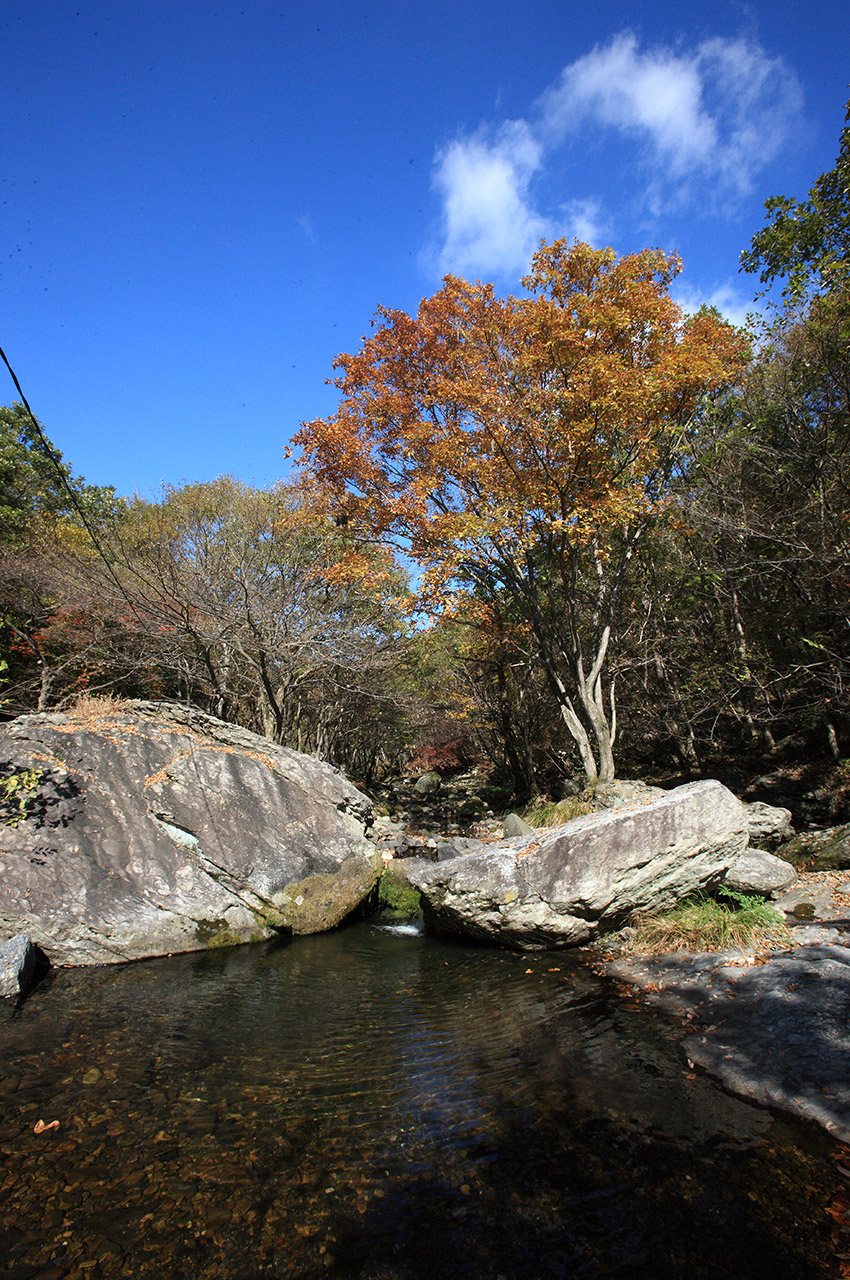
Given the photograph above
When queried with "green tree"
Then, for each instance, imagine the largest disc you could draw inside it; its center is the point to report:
(36, 486)
(807, 242)
(46, 515)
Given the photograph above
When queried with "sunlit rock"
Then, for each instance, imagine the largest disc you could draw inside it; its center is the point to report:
(566, 886)
(158, 829)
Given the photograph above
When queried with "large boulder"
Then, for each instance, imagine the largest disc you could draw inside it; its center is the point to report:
(569, 885)
(158, 829)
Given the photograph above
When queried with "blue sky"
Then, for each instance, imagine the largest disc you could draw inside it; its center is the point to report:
(204, 202)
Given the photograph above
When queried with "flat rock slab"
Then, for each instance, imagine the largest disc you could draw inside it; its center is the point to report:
(774, 1031)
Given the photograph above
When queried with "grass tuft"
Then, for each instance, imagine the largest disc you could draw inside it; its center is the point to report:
(554, 813)
(701, 923)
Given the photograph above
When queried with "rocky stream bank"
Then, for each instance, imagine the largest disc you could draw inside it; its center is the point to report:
(771, 1026)
(155, 830)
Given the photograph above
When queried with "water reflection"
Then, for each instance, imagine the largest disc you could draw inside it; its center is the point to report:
(369, 1104)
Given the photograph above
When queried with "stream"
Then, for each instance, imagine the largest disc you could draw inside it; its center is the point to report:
(375, 1103)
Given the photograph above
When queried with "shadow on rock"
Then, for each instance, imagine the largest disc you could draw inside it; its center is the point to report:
(776, 1032)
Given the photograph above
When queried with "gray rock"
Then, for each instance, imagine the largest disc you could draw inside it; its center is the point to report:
(625, 791)
(807, 903)
(769, 825)
(162, 830)
(826, 850)
(514, 825)
(832, 849)
(17, 965)
(759, 872)
(457, 846)
(566, 886)
(776, 1033)
(827, 932)
(428, 784)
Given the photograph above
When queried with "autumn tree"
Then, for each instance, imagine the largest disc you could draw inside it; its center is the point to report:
(248, 603)
(521, 447)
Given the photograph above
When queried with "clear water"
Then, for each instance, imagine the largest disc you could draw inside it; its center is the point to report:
(378, 1104)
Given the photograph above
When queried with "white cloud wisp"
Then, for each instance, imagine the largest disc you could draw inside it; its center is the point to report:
(704, 120)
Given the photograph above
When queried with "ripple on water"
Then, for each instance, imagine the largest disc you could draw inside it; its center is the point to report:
(370, 1104)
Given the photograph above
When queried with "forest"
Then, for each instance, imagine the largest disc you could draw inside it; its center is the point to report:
(550, 536)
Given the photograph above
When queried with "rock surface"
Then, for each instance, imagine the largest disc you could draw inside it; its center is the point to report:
(827, 849)
(769, 825)
(160, 829)
(514, 825)
(17, 966)
(777, 1033)
(564, 887)
(624, 792)
(759, 872)
(806, 902)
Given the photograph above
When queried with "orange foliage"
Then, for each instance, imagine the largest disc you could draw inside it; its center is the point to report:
(484, 427)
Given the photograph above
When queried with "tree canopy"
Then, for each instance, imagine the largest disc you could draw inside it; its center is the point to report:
(520, 446)
(35, 486)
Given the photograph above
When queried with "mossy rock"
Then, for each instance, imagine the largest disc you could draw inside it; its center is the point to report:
(804, 911)
(824, 851)
(320, 902)
(834, 853)
(397, 896)
(216, 933)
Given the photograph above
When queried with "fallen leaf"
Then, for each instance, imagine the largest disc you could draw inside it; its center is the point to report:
(41, 1127)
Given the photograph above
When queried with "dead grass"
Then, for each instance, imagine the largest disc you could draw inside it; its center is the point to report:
(701, 923)
(93, 708)
(554, 813)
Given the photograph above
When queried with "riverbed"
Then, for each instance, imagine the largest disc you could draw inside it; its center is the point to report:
(375, 1103)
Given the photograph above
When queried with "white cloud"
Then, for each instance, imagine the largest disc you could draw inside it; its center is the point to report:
(730, 302)
(584, 220)
(489, 225)
(706, 120)
(721, 110)
(654, 94)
